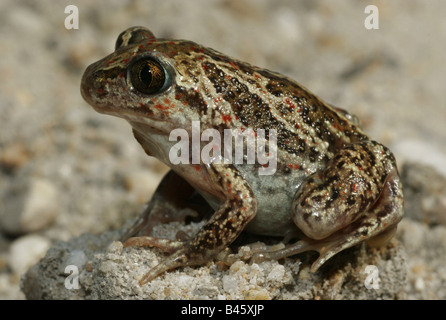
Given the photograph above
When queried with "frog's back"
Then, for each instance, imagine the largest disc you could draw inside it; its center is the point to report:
(261, 99)
(309, 132)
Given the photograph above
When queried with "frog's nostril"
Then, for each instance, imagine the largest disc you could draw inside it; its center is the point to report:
(93, 84)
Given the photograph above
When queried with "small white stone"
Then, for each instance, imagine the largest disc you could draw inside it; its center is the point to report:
(230, 284)
(26, 251)
(277, 273)
(419, 284)
(31, 206)
(115, 247)
(239, 266)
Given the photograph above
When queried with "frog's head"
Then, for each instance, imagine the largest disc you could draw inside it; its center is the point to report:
(156, 83)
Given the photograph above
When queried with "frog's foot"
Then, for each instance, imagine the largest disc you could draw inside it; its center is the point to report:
(326, 248)
(264, 254)
(181, 258)
(175, 260)
(225, 225)
(181, 255)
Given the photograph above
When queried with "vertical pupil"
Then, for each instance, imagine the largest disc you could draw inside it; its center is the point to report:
(146, 75)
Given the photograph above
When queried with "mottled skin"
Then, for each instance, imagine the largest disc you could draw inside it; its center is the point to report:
(333, 188)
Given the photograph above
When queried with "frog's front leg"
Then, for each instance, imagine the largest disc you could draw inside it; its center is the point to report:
(238, 208)
(357, 197)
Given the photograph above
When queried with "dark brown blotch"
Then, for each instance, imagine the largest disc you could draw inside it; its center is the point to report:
(191, 98)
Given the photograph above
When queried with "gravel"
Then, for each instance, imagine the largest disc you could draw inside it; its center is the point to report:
(72, 179)
(107, 271)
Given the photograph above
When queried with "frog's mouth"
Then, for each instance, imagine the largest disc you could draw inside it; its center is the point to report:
(157, 127)
(139, 119)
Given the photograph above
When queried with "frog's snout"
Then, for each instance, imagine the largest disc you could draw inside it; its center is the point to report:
(86, 85)
(95, 85)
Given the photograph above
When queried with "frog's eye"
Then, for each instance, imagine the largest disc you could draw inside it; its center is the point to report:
(148, 76)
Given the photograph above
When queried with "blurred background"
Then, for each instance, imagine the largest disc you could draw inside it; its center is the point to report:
(67, 170)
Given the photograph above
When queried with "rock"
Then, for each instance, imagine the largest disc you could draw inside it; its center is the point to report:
(426, 250)
(113, 272)
(26, 251)
(47, 279)
(32, 205)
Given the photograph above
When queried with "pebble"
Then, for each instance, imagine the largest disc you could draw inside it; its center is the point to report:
(115, 248)
(32, 205)
(419, 284)
(26, 251)
(257, 294)
(14, 156)
(277, 273)
(230, 284)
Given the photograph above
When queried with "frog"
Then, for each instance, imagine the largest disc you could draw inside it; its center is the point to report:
(332, 188)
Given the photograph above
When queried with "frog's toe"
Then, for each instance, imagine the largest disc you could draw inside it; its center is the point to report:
(290, 250)
(164, 244)
(176, 260)
(326, 248)
(181, 258)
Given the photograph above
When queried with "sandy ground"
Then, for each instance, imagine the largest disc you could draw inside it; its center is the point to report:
(66, 170)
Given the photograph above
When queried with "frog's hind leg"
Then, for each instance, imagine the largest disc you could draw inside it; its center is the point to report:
(376, 226)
